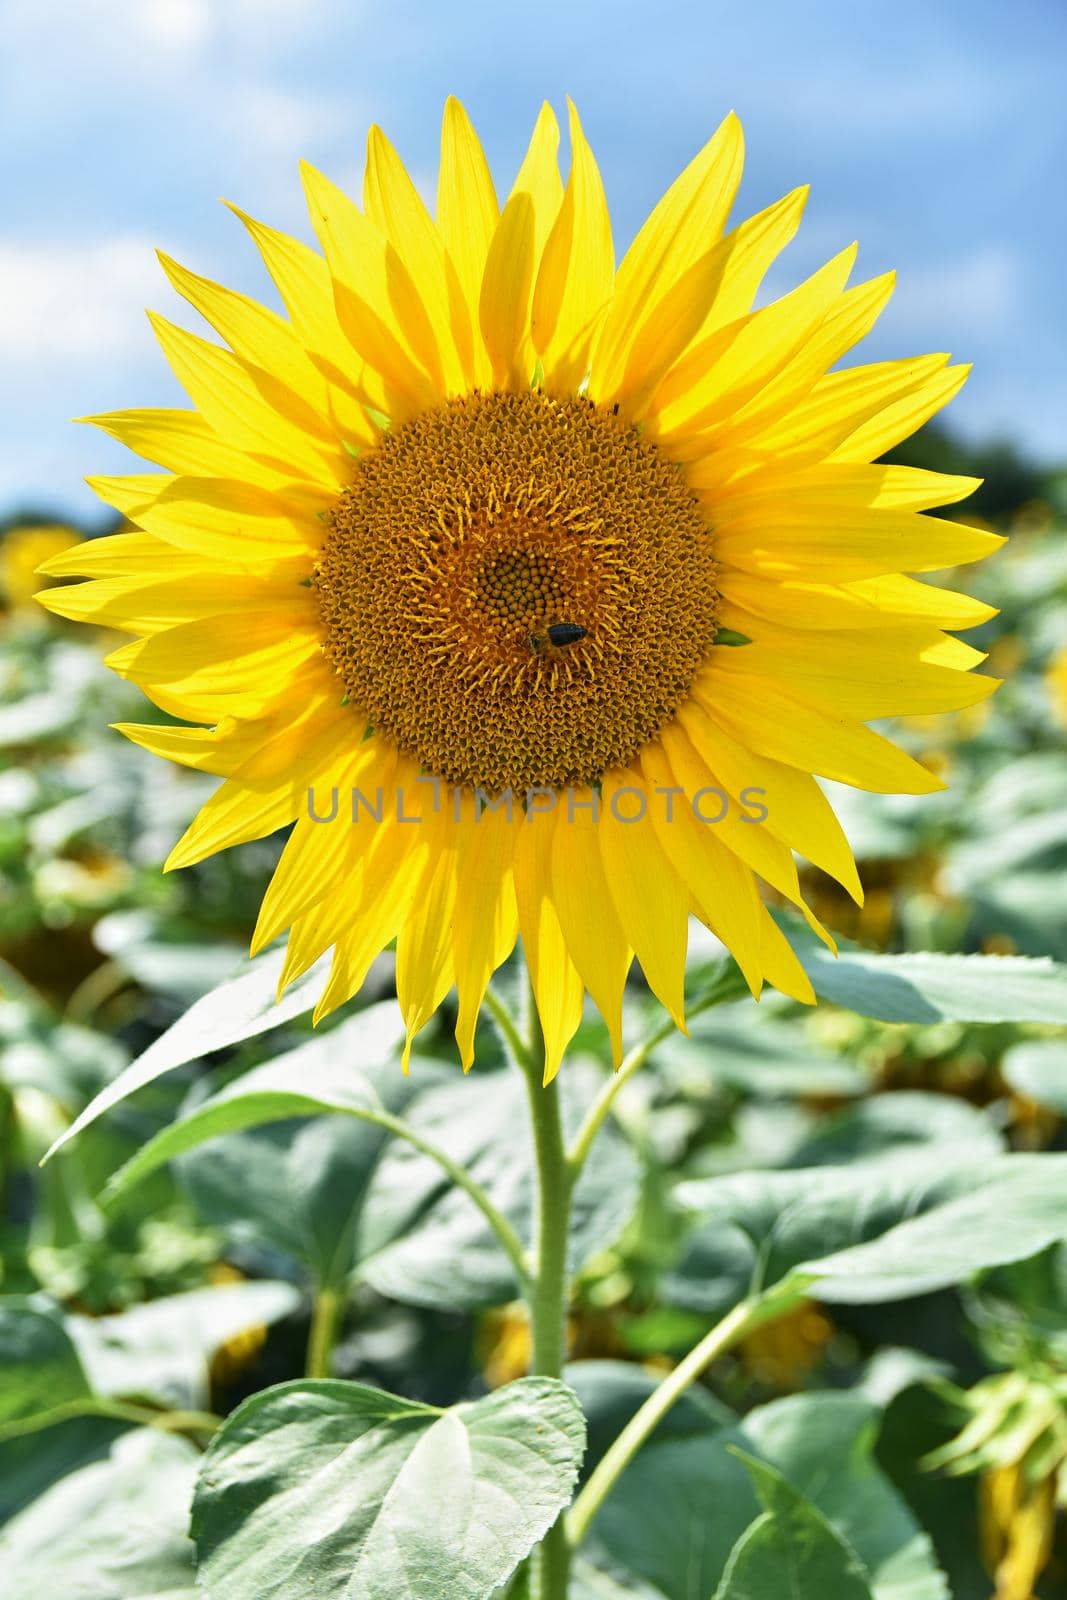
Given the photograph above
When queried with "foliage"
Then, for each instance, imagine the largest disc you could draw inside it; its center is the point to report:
(261, 1329)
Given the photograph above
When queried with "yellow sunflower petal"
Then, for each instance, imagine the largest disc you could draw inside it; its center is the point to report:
(396, 869)
(850, 544)
(577, 272)
(303, 281)
(854, 677)
(582, 898)
(515, 254)
(218, 750)
(319, 929)
(838, 403)
(504, 310)
(554, 978)
(721, 885)
(797, 811)
(716, 290)
(486, 921)
(133, 606)
(781, 967)
(132, 491)
(119, 555)
(182, 441)
(248, 807)
(886, 601)
(424, 971)
(736, 825)
(846, 323)
(780, 725)
(377, 303)
(721, 374)
(236, 667)
(395, 206)
(539, 176)
(678, 234)
(246, 407)
(651, 901)
(229, 521)
(896, 421)
(747, 252)
(821, 488)
(315, 855)
(467, 210)
(257, 334)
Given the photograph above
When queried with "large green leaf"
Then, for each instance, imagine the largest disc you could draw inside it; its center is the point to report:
(415, 1235)
(337, 1071)
(928, 987)
(54, 1363)
(790, 1550)
(163, 1348)
(1037, 1068)
(294, 1189)
(680, 1507)
(591, 1582)
(39, 1365)
(801, 1435)
(774, 1060)
(886, 1126)
(113, 1530)
(881, 1231)
(297, 1187)
(426, 1242)
(323, 1490)
(238, 1009)
(1006, 1212)
(32, 1462)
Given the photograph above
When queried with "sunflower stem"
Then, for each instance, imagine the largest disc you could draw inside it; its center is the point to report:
(548, 1292)
(325, 1318)
(509, 1031)
(647, 1418)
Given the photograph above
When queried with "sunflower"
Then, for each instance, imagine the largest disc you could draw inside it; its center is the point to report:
(583, 571)
(23, 551)
(1056, 685)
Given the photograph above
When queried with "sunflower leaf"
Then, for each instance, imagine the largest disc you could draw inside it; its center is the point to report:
(926, 986)
(114, 1527)
(1037, 1068)
(685, 1501)
(316, 1490)
(237, 1010)
(889, 1230)
(791, 1549)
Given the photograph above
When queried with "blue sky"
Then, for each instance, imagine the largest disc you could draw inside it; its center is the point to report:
(934, 131)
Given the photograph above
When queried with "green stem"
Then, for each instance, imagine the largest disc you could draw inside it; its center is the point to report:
(547, 1295)
(195, 1422)
(325, 1320)
(644, 1421)
(505, 1022)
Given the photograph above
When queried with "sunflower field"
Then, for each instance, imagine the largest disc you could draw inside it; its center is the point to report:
(443, 1250)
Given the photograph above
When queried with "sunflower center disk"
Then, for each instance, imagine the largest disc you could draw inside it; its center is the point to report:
(518, 590)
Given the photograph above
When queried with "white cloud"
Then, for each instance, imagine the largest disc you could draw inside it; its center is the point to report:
(174, 24)
(72, 303)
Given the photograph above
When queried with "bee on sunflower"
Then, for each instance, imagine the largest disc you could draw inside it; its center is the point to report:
(486, 512)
